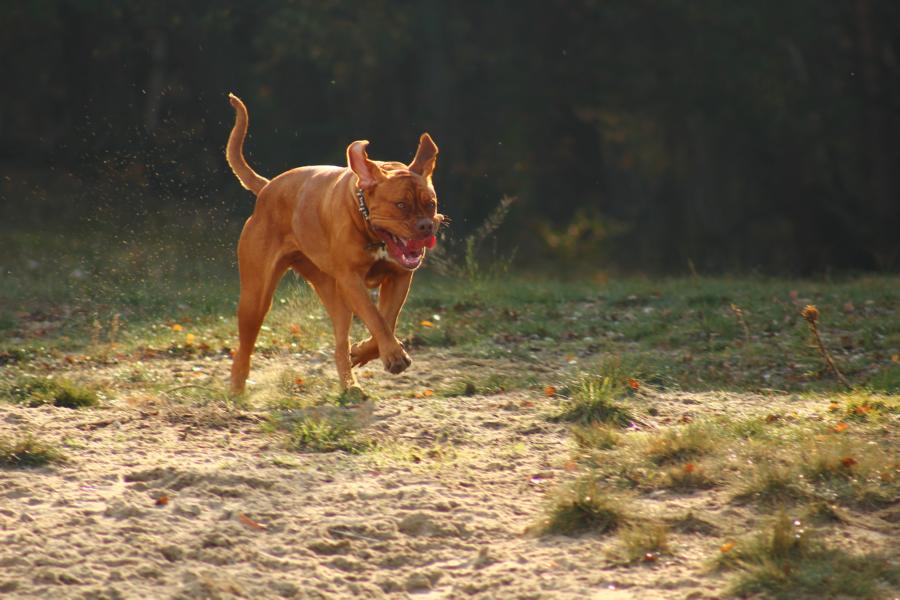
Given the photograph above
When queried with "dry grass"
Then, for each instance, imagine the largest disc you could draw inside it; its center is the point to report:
(583, 506)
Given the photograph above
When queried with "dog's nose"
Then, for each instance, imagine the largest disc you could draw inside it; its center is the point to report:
(425, 227)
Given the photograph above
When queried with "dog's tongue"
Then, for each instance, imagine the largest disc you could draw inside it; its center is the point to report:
(428, 242)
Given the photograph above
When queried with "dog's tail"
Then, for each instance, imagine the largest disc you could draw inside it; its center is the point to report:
(234, 152)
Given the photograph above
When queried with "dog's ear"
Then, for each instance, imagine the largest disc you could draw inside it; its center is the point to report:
(358, 160)
(426, 157)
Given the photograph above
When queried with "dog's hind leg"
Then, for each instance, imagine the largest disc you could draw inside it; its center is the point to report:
(341, 318)
(261, 268)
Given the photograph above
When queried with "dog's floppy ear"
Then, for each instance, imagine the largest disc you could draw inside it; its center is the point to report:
(358, 160)
(426, 157)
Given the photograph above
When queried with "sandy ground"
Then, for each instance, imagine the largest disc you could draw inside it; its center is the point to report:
(441, 511)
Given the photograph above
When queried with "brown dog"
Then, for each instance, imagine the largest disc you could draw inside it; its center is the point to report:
(343, 229)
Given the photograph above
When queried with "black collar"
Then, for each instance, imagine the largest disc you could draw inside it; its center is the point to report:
(363, 209)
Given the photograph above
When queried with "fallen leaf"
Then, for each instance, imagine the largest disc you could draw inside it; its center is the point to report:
(571, 466)
(634, 384)
(295, 329)
(726, 547)
(177, 327)
(550, 391)
(299, 381)
(848, 307)
(426, 324)
(834, 407)
(162, 500)
(772, 418)
(427, 393)
(189, 339)
(244, 519)
(840, 427)
(686, 418)
(650, 557)
(848, 461)
(689, 468)
(862, 409)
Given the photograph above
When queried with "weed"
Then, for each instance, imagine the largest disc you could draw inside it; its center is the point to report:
(27, 451)
(770, 482)
(785, 561)
(594, 399)
(38, 391)
(327, 434)
(583, 506)
(680, 444)
(811, 315)
(691, 524)
(596, 436)
(688, 477)
(644, 541)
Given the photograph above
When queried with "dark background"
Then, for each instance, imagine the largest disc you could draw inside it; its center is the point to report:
(637, 135)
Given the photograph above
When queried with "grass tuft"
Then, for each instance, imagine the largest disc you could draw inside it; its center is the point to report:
(595, 399)
(644, 541)
(38, 391)
(680, 444)
(327, 434)
(596, 436)
(581, 507)
(785, 560)
(27, 451)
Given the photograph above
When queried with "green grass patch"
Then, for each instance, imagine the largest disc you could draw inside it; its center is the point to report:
(785, 560)
(644, 541)
(583, 506)
(39, 391)
(680, 444)
(27, 451)
(595, 398)
(327, 434)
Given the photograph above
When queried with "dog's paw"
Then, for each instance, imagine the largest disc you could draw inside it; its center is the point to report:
(397, 360)
(363, 352)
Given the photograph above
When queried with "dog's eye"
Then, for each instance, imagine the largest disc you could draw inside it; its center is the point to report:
(401, 205)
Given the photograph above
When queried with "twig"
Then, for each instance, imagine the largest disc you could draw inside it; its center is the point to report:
(739, 313)
(811, 314)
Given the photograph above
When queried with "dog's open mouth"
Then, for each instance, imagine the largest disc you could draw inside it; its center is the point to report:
(407, 253)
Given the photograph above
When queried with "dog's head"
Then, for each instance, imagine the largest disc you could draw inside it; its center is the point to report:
(401, 200)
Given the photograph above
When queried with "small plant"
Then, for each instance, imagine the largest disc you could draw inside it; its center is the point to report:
(687, 477)
(770, 482)
(681, 444)
(644, 541)
(786, 561)
(811, 315)
(583, 506)
(596, 436)
(594, 399)
(27, 451)
(37, 391)
(327, 434)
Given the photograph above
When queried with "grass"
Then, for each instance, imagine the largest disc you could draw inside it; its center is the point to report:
(583, 506)
(81, 304)
(320, 434)
(27, 451)
(596, 398)
(39, 391)
(680, 444)
(786, 560)
(645, 541)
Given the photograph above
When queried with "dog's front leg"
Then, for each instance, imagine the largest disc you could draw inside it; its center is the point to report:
(355, 293)
(391, 299)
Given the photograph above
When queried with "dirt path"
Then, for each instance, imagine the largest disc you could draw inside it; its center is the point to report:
(441, 510)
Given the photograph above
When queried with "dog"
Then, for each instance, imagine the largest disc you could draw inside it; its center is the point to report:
(345, 230)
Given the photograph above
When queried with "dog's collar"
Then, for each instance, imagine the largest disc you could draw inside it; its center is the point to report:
(361, 200)
(364, 211)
